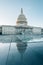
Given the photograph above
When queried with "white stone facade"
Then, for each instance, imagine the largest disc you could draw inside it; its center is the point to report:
(36, 30)
(8, 30)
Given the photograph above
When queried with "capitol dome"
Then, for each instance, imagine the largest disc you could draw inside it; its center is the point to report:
(21, 20)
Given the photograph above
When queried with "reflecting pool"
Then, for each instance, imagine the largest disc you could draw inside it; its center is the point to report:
(22, 53)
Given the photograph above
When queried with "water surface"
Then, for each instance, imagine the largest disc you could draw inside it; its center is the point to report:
(22, 53)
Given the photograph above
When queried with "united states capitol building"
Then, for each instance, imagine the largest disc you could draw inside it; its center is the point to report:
(21, 27)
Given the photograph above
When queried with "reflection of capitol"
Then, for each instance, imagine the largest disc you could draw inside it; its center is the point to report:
(21, 47)
(14, 57)
(21, 27)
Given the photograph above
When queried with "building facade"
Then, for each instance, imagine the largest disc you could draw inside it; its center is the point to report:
(21, 27)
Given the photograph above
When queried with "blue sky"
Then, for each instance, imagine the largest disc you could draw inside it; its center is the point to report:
(10, 9)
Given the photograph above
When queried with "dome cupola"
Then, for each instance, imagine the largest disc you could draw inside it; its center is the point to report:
(21, 20)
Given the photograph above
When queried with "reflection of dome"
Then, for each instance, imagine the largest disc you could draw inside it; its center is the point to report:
(21, 47)
(21, 19)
